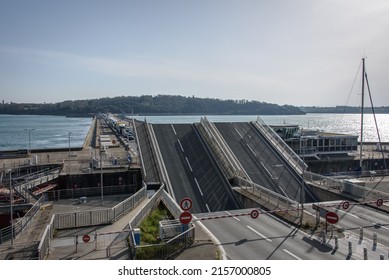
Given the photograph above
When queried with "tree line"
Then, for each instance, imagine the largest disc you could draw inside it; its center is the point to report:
(151, 105)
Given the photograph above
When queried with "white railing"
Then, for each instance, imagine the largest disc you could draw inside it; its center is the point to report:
(267, 195)
(281, 146)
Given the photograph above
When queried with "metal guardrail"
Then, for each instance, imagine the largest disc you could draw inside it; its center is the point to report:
(98, 217)
(77, 219)
(21, 224)
(277, 200)
(337, 184)
(226, 157)
(164, 250)
(159, 160)
(282, 147)
(146, 209)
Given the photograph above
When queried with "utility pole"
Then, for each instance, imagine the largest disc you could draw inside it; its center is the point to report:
(29, 138)
(362, 111)
(101, 176)
(11, 208)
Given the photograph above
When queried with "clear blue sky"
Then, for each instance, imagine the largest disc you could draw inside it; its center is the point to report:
(300, 52)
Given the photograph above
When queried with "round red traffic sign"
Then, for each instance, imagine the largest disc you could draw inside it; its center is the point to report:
(345, 205)
(185, 218)
(332, 217)
(379, 202)
(86, 238)
(186, 204)
(254, 214)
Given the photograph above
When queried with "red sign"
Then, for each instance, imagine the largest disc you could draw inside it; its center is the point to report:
(345, 205)
(185, 218)
(86, 238)
(332, 217)
(254, 214)
(186, 204)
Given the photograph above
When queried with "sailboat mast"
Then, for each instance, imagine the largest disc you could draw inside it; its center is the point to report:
(362, 111)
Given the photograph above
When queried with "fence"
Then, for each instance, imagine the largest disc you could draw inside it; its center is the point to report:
(98, 217)
(282, 147)
(163, 250)
(89, 218)
(267, 195)
(227, 159)
(346, 187)
(21, 224)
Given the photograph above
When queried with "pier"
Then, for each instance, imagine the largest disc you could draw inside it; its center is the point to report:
(220, 166)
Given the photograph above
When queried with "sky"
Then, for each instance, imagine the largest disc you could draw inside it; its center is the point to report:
(300, 52)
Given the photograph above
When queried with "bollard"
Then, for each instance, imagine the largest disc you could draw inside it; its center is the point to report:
(350, 248)
(375, 239)
(365, 253)
(381, 256)
(361, 233)
(336, 242)
(323, 234)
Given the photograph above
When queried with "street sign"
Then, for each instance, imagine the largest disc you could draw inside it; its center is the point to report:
(345, 205)
(185, 218)
(86, 238)
(332, 217)
(254, 214)
(379, 202)
(186, 204)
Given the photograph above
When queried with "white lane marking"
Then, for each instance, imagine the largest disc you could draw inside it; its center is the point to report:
(179, 142)
(260, 234)
(347, 213)
(291, 254)
(206, 205)
(190, 167)
(238, 133)
(228, 213)
(175, 133)
(251, 150)
(198, 186)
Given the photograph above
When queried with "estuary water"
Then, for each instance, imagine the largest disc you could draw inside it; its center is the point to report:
(19, 131)
(337, 123)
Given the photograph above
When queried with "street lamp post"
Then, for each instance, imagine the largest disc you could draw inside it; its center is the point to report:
(11, 208)
(69, 143)
(101, 176)
(29, 138)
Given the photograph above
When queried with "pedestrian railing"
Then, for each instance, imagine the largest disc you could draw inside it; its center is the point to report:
(88, 218)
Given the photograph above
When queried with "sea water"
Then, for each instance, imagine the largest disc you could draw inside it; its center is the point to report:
(19, 131)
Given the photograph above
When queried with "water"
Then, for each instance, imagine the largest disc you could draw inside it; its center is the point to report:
(337, 123)
(45, 132)
(53, 131)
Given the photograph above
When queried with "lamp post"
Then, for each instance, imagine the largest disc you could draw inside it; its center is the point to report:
(101, 176)
(29, 137)
(11, 208)
(69, 143)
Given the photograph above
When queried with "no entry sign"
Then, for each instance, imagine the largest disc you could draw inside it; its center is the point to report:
(185, 218)
(86, 238)
(332, 217)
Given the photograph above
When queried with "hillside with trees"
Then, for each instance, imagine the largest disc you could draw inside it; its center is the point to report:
(151, 105)
(344, 110)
